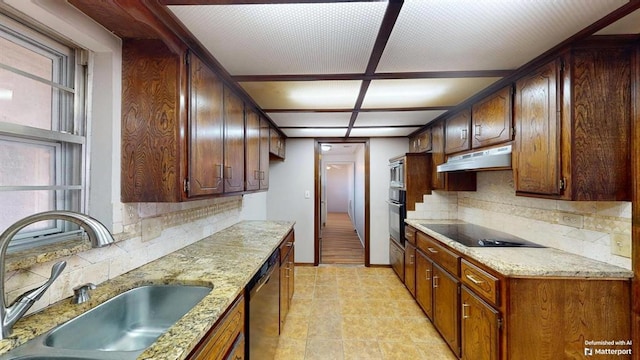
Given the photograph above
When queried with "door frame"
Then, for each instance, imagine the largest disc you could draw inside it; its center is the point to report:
(317, 199)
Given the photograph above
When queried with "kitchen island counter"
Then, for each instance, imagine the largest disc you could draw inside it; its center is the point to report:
(226, 260)
(528, 262)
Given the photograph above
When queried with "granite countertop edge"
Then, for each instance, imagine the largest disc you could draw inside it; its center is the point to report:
(226, 260)
(528, 262)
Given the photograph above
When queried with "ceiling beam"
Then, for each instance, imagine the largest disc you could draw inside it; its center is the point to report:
(424, 108)
(253, 2)
(388, 22)
(375, 76)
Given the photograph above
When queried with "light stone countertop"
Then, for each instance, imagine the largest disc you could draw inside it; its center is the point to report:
(528, 262)
(227, 260)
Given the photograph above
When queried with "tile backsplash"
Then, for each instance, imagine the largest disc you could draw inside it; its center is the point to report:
(586, 228)
(143, 232)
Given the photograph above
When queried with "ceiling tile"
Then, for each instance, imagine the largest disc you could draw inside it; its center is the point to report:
(303, 94)
(311, 119)
(269, 39)
(464, 35)
(422, 92)
(381, 132)
(629, 24)
(398, 118)
(315, 132)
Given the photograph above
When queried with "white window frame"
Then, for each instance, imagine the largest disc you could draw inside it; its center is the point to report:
(69, 124)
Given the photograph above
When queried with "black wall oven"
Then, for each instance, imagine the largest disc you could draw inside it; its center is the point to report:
(397, 214)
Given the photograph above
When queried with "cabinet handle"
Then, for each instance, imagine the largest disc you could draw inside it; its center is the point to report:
(478, 129)
(427, 274)
(435, 281)
(220, 171)
(256, 174)
(261, 175)
(464, 311)
(411, 258)
(463, 134)
(432, 250)
(474, 279)
(228, 174)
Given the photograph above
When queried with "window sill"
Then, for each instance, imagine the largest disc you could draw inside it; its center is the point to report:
(41, 254)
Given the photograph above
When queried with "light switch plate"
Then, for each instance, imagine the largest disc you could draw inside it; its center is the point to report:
(573, 220)
(621, 245)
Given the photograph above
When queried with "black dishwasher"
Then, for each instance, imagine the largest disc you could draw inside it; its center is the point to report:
(263, 310)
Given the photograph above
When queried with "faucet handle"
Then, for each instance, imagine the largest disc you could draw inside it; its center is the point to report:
(81, 293)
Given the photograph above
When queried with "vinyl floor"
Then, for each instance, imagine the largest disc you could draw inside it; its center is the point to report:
(353, 312)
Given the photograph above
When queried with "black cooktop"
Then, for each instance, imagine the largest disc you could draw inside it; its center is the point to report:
(478, 236)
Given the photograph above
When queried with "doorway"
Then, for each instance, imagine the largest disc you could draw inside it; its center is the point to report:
(341, 204)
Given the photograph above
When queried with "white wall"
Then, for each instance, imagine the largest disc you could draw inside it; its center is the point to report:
(289, 179)
(358, 196)
(381, 151)
(254, 206)
(338, 188)
(288, 182)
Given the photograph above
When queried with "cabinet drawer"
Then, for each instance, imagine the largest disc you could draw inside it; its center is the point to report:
(285, 246)
(480, 281)
(410, 234)
(219, 341)
(438, 253)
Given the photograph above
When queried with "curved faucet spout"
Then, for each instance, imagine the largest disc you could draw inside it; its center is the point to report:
(97, 233)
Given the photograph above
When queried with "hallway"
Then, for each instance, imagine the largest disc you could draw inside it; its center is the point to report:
(340, 243)
(353, 312)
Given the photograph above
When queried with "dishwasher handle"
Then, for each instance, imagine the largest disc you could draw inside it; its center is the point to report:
(263, 280)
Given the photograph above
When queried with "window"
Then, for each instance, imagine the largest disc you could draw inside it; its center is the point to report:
(42, 131)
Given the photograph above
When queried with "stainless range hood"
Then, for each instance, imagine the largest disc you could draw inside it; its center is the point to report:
(485, 159)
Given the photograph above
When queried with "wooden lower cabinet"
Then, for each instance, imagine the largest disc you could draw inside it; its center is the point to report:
(396, 258)
(424, 285)
(287, 283)
(410, 267)
(480, 330)
(222, 341)
(446, 304)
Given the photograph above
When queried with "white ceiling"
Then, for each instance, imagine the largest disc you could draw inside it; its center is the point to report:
(346, 69)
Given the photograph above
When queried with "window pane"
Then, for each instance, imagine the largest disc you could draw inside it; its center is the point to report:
(25, 59)
(27, 164)
(15, 205)
(25, 101)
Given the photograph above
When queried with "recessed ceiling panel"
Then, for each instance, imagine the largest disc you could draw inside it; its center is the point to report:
(398, 118)
(463, 35)
(315, 132)
(316, 119)
(629, 24)
(303, 94)
(382, 132)
(269, 39)
(422, 92)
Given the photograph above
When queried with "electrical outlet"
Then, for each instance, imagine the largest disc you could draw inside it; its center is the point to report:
(573, 220)
(151, 228)
(621, 245)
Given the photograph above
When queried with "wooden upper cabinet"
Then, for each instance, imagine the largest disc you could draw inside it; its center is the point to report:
(153, 79)
(421, 142)
(233, 142)
(575, 144)
(252, 141)
(277, 144)
(265, 129)
(457, 132)
(536, 156)
(492, 119)
(454, 181)
(206, 120)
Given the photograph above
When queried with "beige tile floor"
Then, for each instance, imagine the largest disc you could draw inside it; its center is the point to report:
(349, 312)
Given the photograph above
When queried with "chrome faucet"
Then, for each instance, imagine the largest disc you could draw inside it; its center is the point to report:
(97, 233)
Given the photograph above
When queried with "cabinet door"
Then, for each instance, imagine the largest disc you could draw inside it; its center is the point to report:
(492, 121)
(446, 305)
(233, 142)
(480, 328)
(396, 258)
(264, 153)
(456, 133)
(276, 146)
(252, 141)
(424, 285)
(421, 142)
(410, 267)
(536, 157)
(284, 290)
(206, 123)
